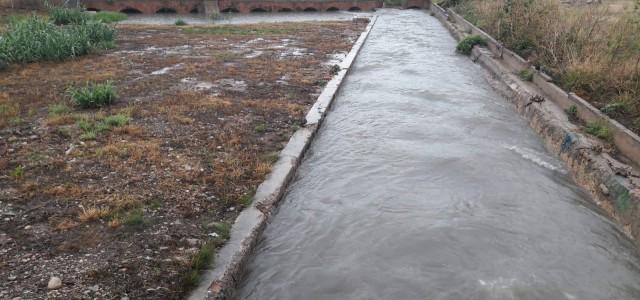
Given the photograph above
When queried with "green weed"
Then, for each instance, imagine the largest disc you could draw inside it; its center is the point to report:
(93, 95)
(600, 130)
(466, 45)
(526, 74)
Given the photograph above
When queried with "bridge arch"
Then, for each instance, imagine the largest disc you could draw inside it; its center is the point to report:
(355, 8)
(92, 9)
(166, 10)
(130, 10)
(195, 10)
(413, 7)
(333, 8)
(285, 9)
(230, 10)
(310, 9)
(259, 10)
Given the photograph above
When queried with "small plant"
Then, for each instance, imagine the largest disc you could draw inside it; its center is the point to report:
(180, 22)
(466, 45)
(222, 229)
(66, 16)
(261, 128)
(18, 172)
(600, 130)
(335, 69)
(110, 16)
(93, 95)
(572, 113)
(58, 109)
(246, 200)
(199, 262)
(526, 74)
(135, 218)
(615, 109)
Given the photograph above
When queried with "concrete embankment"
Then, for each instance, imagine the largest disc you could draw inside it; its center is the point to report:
(609, 176)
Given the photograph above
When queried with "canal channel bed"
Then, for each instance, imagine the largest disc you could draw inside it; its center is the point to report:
(207, 109)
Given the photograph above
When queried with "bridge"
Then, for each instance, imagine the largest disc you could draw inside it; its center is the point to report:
(240, 6)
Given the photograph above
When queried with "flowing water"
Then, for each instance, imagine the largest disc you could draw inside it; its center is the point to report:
(253, 18)
(423, 183)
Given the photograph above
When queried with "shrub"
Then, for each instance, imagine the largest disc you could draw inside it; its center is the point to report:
(93, 95)
(466, 45)
(110, 16)
(35, 39)
(66, 16)
(180, 22)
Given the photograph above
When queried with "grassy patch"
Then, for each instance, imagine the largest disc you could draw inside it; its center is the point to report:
(466, 45)
(66, 16)
(93, 95)
(180, 22)
(526, 74)
(615, 109)
(58, 109)
(600, 130)
(36, 39)
(135, 218)
(110, 16)
(91, 128)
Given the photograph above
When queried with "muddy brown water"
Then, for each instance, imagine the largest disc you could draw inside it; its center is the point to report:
(424, 184)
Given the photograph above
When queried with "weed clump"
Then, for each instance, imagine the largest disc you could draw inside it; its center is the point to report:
(600, 130)
(93, 95)
(526, 74)
(466, 45)
(180, 22)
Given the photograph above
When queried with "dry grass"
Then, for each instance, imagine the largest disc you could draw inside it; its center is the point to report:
(92, 214)
(587, 49)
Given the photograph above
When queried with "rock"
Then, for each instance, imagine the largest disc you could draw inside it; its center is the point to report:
(193, 242)
(54, 283)
(12, 278)
(604, 189)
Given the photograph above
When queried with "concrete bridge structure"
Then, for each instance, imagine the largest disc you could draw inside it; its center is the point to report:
(239, 6)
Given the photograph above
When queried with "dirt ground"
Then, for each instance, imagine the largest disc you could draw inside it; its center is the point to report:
(123, 208)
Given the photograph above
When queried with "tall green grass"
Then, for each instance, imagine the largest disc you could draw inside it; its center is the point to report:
(37, 39)
(66, 16)
(93, 95)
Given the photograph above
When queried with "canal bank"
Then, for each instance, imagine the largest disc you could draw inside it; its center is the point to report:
(423, 183)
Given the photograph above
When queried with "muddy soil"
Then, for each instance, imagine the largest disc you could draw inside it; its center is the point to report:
(119, 209)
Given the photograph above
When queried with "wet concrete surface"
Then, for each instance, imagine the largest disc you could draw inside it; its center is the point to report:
(423, 183)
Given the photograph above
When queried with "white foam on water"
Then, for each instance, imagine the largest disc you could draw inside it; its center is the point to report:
(534, 157)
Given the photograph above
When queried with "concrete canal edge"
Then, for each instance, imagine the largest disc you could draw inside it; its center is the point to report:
(221, 281)
(613, 184)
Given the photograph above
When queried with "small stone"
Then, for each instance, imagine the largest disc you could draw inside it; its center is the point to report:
(54, 283)
(124, 298)
(94, 288)
(604, 189)
(12, 278)
(27, 227)
(193, 242)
